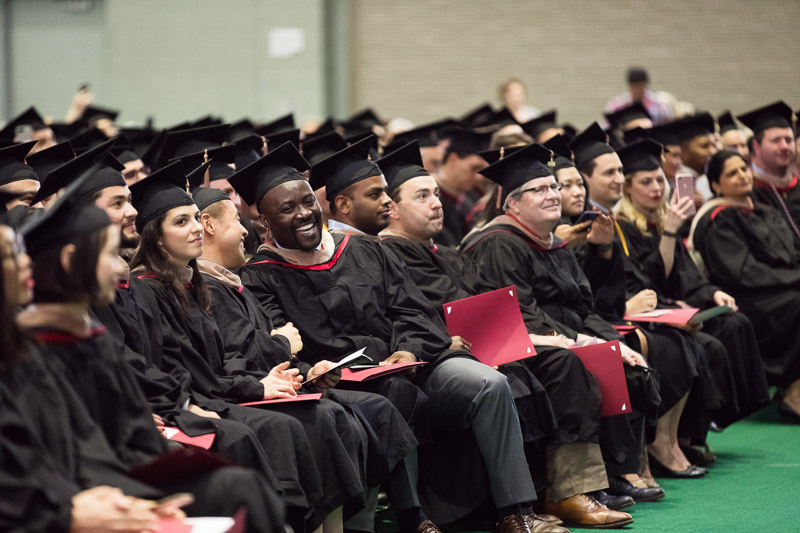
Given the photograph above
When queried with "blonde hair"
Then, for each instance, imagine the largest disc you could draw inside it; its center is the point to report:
(626, 209)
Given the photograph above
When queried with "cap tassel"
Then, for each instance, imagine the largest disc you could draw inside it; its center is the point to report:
(263, 145)
(552, 162)
(502, 152)
(663, 157)
(205, 158)
(499, 196)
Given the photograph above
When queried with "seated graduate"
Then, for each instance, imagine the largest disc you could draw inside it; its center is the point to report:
(775, 180)
(443, 274)
(672, 352)
(657, 259)
(749, 250)
(18, 181)
(553, 292)
(343, 294)
(134, 321)
(248, 331)
(313, 447)
(75, 263)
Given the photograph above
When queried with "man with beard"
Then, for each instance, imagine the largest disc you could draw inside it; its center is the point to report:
(774, 182)
(444, 275)
(342, 294)
(696, 135)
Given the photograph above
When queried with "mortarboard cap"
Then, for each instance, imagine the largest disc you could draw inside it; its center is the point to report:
(563, 154)
(139, 138)
(493, 156)
(344, 168)
(427, 134)
(189, 141)
(591, 143)
(92, 114)
(620, 117)
(501, 118)
(664, 134)
(277, 139)
(249, 149)
(477, 117)
(278, 125)
(364, 119)
(320, 147)
(123, 150)
(219, 157)
(240, 130)
(29, 117)
(203, 196)
(281, 165)
(693, 126)
(12, 163)
(161, 191)
(68, 218)
(326, 127)
(726, 122)
(641, 155)
(540, 124)
(50, 158)
(518, 168)
(466, 142)
(87, 140)
(402, 165)
(775, 115)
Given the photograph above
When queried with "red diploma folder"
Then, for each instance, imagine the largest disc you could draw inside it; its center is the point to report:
(493, 325)
(374, 372)
(201, 441)
(604, 362)
(177, 464)
(299, 398)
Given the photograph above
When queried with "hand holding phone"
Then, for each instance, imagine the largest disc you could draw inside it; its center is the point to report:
(684, 188)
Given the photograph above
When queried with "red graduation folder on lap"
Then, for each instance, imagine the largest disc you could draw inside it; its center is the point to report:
(493, 325)
(201, 441)
(374, 372)
(665, 316)
(604, 362)
(177, 464)
(299, 398)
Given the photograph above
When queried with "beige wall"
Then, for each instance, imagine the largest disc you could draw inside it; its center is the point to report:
(424, 59)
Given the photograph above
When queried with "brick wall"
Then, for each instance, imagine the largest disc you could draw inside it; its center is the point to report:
(424, 59)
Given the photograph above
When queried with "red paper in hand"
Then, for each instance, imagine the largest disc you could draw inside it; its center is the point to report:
(604, 362)
(299, 398)
(367, 374)
(493, 325)
(665, 316)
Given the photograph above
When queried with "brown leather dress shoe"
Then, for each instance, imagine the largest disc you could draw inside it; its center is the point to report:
(428, 527)
(584, 511)
(538, 525)
(512, 524)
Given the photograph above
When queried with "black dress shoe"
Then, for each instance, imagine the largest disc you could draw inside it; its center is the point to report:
(615, 503)
(622, 487)
(691, 472)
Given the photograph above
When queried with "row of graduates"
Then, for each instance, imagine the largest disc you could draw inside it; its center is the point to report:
(295, 276)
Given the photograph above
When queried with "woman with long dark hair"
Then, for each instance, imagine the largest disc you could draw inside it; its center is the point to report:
(749, 249)
(76, 263)
(166, 263)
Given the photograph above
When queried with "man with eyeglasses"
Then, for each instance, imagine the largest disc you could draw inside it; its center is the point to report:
(519, 248)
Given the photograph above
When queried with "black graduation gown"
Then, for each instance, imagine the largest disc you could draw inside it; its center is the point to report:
(729, 341)
(313, 459)
(444, 275)
(455, 211)
(133, 320)
(753, 256)
(554, 293)
(245, 329)
(671, 352)
(764, 194)
(96, 423)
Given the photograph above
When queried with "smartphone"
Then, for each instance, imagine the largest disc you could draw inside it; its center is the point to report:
(684, 186)
(586, 216)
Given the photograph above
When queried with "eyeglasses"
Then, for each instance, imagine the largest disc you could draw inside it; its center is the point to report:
(542, 189)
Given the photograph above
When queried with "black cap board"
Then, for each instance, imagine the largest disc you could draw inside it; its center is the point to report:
(322, 146)
(516, 169)
(477, 117)
(29, 117)
(66, 220)
(93, 113)
(493, 156)
(203, 196)
(775, 115)
(466, 142)
(220, 157)
(189, 141)
(249, 149)
(161, 191)
(589, 144)
(44, 161)
(344, 168)
(281, 165)
(540, 124)
(240, 130)
(402, 165)
(278, 125)
(87, 139)
(562, 151)
(619, 118)
(428, 134)
(640, 156)
(726, 122)
(277, 139)
(12, 163)
(693, 126)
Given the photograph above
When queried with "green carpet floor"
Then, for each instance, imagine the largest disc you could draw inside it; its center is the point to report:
(753, 487)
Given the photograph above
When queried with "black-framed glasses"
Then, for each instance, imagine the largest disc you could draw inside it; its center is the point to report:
(542, 189)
